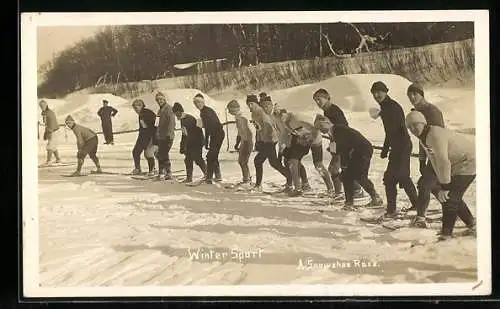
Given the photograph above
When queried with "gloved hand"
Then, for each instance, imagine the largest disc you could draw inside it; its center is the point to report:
(182, 151)
(207, 147)
(422, 167)
(384, 153)
(236, 147)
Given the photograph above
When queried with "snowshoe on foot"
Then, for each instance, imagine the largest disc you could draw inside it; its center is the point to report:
(257, 188)
(375, 202)
(360, 194)
(337, 197)
(75, 174)
(349, 206)
(419, 222)
(294, 193)
(152, 173)
(97, 171)
(187, 180)
(407, 209)
(136, 171)
(443, 237)
(306, 187)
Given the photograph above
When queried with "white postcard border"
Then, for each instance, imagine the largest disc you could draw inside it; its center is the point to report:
(30, 250)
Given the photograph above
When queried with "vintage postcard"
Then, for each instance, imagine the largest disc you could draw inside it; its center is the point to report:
(255, 154)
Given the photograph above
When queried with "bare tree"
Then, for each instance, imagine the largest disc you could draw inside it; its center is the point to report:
(331, 48)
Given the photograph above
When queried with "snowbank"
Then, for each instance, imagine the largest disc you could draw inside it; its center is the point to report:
(350, 92)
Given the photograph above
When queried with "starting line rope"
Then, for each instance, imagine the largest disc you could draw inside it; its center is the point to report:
(226, 124)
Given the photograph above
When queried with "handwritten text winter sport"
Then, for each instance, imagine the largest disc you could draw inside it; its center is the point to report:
(224, 254)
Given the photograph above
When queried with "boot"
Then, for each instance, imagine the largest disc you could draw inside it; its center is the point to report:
(419, 222)
(136, 171)
(152, 173)
(49, 157)
(58, 158)
(294, 193)
(375, 201)
(306, 187)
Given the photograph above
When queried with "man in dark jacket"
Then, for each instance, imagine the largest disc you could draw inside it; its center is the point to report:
(214, 137)
(165, 134)
(356, 153)
(398, 143)
(106, 112)
(336, 116)
(427, 182)
(51, 132)
(146, 139)
(192, 142)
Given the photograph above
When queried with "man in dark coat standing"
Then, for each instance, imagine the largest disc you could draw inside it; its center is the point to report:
(398, 146)
(106, 112)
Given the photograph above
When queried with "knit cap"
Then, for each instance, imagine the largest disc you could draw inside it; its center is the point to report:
(177, 108)
(379, 86)
(415, 88)
(321, 93)
(233, 104)
(415, 117)
(266, 100)
(69, 118)
(252, 98)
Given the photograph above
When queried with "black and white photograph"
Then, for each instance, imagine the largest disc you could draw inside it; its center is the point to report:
(256, 154)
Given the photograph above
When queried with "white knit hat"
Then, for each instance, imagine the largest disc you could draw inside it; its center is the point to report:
(415, 117)
(374, 112)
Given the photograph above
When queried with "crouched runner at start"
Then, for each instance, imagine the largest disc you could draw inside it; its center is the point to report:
(87, 142)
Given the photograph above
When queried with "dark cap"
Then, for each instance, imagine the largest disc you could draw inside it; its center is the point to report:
(199, 95)
(252, 98)
(177, 108)
(321, 92)
(415, 88)
(379, 86)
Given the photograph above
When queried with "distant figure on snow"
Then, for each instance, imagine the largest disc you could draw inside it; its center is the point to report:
(86, 142)
(51, 132)
(106, 112)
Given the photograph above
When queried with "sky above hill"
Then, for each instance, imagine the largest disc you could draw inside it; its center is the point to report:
(52, 40)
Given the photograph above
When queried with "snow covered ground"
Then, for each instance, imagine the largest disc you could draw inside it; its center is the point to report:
(110, 230)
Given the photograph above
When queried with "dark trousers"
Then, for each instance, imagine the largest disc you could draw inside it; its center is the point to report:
(245, 150)
(455, 205)
(163, 156)
(267, 151)
(141, 144)
(356, 170)
(295, 154)
(107, 130)
(302, 169)
(427, 184)
(194, 156)
(334, 168)
(213, 166)
(398, 172)
(89, 148)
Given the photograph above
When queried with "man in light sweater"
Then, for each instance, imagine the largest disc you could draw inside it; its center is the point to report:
(86, 142)
(453, 157)
(165, 134)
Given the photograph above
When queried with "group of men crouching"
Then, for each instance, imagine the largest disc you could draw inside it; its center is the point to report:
(447, 158)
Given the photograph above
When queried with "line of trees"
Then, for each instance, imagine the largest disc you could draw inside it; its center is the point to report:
(138, 52)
